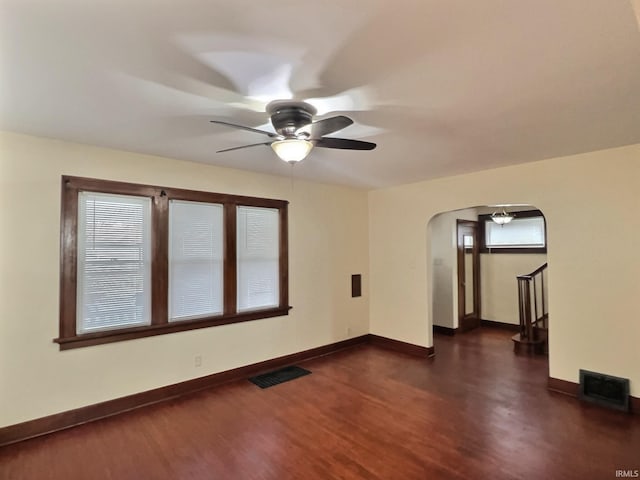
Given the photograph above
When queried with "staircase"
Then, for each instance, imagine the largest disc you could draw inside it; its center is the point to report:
(534, 314)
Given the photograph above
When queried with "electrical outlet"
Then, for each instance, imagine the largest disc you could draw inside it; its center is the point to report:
(348, 331)
(198, 360)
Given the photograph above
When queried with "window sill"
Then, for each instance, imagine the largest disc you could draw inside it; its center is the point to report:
(123, 334)
(513, 250)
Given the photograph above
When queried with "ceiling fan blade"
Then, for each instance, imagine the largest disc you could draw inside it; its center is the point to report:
(242, 127)
(329, 125)
(243, 146)
(344, 144)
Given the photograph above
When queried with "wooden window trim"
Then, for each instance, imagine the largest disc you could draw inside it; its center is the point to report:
(482, 219)
(160, 196)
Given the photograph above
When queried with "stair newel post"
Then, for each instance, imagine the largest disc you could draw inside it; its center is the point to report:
(524, 300)
(544, 306)
(535, 298)
(527, 311)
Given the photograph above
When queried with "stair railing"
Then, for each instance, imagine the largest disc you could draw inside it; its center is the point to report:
(532, 300)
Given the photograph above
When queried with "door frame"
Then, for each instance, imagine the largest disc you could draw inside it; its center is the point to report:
(472, 320)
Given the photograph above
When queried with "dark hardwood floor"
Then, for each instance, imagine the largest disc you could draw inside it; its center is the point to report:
(475, 411)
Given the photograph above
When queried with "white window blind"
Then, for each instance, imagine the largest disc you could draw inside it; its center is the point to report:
(527, 232)
(195, 260)
(258, 256)
(114, 267)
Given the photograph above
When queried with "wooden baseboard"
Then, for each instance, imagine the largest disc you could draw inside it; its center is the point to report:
(444, 330)
(572, 389)
(563, 386)
(506, 326)
(60, 421)
(485, 323)
(399, 346)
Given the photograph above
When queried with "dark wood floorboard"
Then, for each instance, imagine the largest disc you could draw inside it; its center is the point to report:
(475, 411)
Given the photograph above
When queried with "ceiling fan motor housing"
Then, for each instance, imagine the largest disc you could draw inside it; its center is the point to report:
(287, 120)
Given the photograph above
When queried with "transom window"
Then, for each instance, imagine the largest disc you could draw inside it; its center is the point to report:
(140, 260)
(526, 233)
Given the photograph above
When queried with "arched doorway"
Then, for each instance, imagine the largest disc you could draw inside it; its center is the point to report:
(507, 251)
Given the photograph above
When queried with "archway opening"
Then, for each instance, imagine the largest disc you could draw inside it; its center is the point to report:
(506, 252)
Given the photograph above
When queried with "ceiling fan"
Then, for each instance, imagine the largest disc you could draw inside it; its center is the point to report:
(297, 133)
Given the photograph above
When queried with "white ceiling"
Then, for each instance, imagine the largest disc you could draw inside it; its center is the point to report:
(442, 86)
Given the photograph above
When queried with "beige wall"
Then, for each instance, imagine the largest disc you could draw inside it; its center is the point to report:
(590, 203)
(499, 292)
(443, 248)
(328, 242)
(499, 287)
(498, 272)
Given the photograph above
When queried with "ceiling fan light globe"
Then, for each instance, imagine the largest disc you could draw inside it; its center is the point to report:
(292, 149)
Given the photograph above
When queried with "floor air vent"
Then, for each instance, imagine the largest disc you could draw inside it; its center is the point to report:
(605, 390)
(285, 374)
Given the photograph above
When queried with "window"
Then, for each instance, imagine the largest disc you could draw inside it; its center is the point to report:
(195, 260)
(140, 260)
(526, 233)
(114, 262)
(257, 249)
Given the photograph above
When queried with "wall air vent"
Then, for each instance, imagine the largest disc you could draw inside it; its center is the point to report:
(604, 390)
